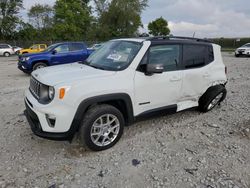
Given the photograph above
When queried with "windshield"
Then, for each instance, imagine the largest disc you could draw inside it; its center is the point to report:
(50, 48)
(246, 45)
(114, 55)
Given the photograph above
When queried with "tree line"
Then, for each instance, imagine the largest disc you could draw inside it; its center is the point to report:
(89, 20)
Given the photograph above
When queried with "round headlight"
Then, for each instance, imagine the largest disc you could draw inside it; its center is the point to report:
(51, 92)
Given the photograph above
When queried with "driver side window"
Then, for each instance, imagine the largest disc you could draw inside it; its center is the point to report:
(167, 55)
(62, 48)
(35, 47)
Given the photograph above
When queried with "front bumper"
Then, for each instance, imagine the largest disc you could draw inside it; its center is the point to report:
(23, 68)
(37, 129)
(64, 126)
(246, 53)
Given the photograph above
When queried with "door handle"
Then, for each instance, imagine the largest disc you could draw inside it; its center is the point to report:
(175, 79)
(206, 75)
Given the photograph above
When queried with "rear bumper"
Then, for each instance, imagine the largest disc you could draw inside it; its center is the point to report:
(36, 128)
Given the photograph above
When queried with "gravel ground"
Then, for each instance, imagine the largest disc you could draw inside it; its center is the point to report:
(187, 149)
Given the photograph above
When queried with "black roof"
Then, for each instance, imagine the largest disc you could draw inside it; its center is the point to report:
(178, 39)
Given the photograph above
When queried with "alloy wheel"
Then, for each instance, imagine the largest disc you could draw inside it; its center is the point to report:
(105, 130)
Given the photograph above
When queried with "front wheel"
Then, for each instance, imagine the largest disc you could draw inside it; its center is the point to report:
(102, 127)
(213, 96)
(39, 66)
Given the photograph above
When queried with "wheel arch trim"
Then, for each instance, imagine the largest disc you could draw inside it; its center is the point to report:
(86, 103)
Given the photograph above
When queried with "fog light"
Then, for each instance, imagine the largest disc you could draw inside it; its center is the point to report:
(51, 119)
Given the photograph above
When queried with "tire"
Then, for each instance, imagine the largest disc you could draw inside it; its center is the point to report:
(236, 55)
(212, 97)
(39, 66)
(6, 54)
(98, 142)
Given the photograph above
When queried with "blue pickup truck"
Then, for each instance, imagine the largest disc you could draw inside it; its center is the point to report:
(56, 54)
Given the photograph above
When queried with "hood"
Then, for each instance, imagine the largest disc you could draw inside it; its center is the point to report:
(243, 48)
(55, 75)
(34, 54)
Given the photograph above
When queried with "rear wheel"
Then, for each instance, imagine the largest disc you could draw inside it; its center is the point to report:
(39, 66)
(213, 96)
(102, 127)
(6, 54)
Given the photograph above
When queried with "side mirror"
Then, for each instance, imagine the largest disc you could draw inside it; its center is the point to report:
(154, 69)
(54, 52)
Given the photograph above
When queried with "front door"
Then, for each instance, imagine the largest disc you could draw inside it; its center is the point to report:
(61, 55)
(34, 49)
(159, 90)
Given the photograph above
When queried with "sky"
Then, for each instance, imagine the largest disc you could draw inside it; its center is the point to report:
(205, 18)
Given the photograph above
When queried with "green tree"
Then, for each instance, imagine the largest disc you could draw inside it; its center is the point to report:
(41, 16)
(159, 27)
(26, 32)
(9, 19)
(119, 18)
(72, 19)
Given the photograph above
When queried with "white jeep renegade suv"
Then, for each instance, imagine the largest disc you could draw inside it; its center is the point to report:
(120, 82)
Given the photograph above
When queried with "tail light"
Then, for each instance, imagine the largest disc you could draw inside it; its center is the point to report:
(226, 70)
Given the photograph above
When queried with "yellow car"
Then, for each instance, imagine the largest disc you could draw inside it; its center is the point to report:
(34, 49)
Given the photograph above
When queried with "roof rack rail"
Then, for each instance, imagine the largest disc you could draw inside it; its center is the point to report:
(178, 37)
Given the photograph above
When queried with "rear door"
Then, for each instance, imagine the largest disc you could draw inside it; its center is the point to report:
(78, 52)
(196, 70)
(5, 48)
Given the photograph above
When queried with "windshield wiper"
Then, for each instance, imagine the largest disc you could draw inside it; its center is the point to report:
(88, 64)
(96, 67)
(84, 62)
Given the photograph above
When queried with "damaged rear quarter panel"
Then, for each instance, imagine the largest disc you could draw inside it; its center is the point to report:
(196, 81)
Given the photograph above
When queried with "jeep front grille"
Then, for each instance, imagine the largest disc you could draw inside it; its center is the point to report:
(35, 87)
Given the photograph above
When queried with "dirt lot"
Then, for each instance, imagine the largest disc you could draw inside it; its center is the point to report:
(188, 149)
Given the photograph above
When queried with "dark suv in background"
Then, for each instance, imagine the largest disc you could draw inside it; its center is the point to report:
(56, 54)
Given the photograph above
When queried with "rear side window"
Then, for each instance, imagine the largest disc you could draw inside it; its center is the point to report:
(168, 55)
(2, 46)
(210, 55)
(77, 47)
(195, 56)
